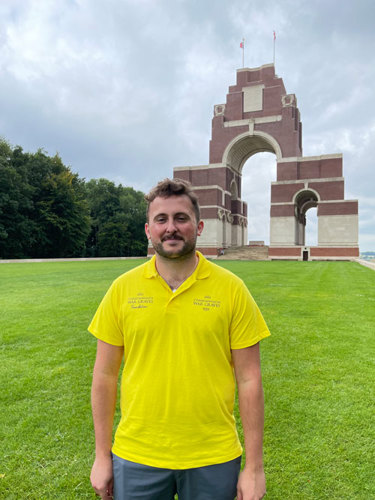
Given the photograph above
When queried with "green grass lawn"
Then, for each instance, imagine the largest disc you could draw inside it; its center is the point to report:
(318, 372)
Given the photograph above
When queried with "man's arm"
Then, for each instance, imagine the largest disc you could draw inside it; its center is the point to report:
(251, 483)
(103, 402)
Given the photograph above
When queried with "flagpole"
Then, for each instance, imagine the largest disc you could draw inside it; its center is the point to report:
(243, 52)
(274, 46)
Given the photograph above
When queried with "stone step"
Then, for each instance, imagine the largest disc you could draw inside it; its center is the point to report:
(245, 253)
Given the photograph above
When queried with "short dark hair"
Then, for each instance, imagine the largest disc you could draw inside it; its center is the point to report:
(173, 187)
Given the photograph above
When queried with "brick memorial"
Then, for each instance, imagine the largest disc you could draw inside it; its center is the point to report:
(260, 116)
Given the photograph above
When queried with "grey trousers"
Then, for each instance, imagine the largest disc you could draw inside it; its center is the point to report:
(134, 481)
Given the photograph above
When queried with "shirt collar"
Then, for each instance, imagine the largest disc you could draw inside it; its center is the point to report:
(149, 270)
(203, 269)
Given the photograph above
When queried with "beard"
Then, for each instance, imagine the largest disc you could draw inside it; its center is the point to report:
(186, 250)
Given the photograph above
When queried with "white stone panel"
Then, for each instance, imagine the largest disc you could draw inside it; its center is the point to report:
(227, 234)
(237, 235)
(282, 231)
(214, 234)
(234, 236)
(253, 98)
(244, 235)
(338, 230)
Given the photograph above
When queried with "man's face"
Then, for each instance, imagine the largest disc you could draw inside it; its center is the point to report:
(172, 226)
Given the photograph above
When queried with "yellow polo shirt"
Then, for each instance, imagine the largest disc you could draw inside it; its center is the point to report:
(178, 385)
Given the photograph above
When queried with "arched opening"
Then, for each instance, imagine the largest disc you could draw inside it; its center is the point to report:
(257, 174)
(304, 201)
(311, 230)
(244, 146)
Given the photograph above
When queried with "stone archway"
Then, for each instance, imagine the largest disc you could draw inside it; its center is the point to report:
(241, 148)
(303, 200)
(259, 116)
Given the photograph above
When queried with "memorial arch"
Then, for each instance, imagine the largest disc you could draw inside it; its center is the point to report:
(259, 116)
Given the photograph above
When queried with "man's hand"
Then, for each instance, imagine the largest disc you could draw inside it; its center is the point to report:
(102, 477)
(251, 485)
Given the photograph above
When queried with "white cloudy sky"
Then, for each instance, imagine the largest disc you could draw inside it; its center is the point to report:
(125, 89)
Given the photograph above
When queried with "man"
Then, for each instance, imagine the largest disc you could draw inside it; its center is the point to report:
(184, 327)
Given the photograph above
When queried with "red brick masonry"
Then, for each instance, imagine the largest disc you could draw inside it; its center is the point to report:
(344, 208)
(284, 252)
(320, 252)
(334, 252)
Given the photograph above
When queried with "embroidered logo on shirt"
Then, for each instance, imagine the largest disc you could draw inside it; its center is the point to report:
(140, 301)
(207, 303)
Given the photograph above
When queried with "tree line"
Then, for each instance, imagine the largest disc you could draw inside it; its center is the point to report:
(47, 211)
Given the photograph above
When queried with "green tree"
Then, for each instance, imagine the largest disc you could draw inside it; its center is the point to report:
(117, 220)
(43, 210)
(133, 204)
(17, 229)
(62, 214)
(114, 237)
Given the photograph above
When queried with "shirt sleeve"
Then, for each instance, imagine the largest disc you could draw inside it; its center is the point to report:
(247, 326)
(105, 324)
